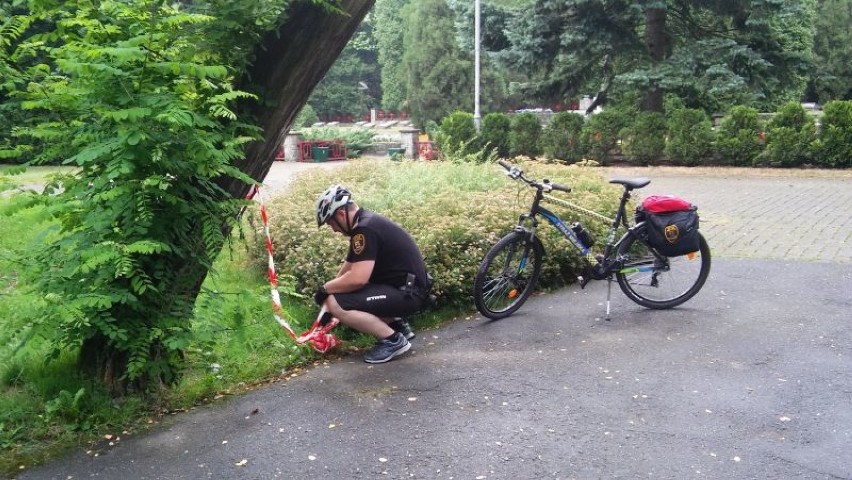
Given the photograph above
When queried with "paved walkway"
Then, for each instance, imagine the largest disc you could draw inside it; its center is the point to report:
(762, 214)
(748, 380)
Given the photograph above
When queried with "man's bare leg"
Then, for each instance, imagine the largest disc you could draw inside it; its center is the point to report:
(358, 320)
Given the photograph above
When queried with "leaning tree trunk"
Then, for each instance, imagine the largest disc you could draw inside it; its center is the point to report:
(289, 64)
(657, 45)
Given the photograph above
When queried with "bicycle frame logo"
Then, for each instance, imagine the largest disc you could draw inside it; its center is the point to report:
(563, 229)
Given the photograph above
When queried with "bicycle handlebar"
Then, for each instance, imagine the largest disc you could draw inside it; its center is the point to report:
(517, 174)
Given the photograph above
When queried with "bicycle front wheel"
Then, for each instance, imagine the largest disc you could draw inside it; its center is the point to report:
(507, 275)
(657, 281)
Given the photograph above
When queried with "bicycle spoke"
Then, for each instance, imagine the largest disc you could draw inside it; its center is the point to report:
(660, 282)
(505, 278)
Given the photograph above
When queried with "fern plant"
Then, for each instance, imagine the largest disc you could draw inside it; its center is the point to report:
(136, 101)
(12, 27)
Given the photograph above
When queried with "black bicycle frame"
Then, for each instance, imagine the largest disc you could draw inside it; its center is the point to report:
(607, 265)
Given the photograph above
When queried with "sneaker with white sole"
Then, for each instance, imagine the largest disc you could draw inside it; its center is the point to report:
(402, 326)
(384, 350)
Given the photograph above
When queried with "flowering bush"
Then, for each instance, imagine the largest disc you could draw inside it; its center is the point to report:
(454, 211)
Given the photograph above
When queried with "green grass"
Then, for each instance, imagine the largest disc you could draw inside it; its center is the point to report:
(15, 176)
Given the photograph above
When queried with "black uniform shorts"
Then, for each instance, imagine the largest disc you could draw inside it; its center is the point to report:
(381, 301)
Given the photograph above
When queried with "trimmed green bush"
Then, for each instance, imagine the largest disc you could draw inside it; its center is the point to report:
(601, 133)
(458, 133)
(525, 134)
(455, 211)
(739, 138)
(561, 138)
(835, 136)
(307, 116)
(690, 139)
(645, 139)
(495, 133)
(790, 136)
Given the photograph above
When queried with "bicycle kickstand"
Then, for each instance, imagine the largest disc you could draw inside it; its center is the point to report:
(608, 295)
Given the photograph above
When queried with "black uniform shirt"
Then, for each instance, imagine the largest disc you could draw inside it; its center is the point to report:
(394, 251)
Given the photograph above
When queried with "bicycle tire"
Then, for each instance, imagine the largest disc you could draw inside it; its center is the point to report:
(661, 282)
(501, 284)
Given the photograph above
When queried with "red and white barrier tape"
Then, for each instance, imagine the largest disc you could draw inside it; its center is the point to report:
(318, 335)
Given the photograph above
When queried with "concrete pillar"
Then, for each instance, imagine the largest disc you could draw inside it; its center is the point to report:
(409, 141)
(372, 115)
(291, 146)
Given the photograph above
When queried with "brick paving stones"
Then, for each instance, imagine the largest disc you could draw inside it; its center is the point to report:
(800, 218)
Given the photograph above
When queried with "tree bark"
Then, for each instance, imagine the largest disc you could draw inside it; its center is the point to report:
(289, 63)
(657, 45)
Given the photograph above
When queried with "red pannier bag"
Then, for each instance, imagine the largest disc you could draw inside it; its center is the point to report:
(672, 224)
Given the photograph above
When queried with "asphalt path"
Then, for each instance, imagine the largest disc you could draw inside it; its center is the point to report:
(749, 379)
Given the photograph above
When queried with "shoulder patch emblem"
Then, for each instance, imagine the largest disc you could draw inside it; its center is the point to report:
(358, 243)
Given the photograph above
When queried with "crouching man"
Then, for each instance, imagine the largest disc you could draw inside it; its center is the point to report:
(382, 280)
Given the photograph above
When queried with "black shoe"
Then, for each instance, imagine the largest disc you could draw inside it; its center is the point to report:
(401, 325)
(385, 350)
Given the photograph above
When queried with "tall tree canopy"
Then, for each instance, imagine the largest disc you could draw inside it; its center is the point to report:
(439, 76)
(353, 84)
(389, 32)
(712, 53)
(831, 74)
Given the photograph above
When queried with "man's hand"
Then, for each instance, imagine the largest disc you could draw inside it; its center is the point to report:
(326, 319)
(320, 295)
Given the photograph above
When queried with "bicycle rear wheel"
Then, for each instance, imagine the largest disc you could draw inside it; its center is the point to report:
(507, 275)
(660, 282)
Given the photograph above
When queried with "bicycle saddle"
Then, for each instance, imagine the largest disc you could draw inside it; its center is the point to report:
(631, 183)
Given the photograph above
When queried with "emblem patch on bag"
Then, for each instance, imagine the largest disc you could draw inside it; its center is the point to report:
(672, 233)
(358, 243)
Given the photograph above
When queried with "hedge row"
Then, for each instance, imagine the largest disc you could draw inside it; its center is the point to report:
(454, 210)
(683, 136)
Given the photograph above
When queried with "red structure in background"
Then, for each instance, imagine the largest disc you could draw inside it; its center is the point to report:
(337, 150)
(426, 151)
(425, 148)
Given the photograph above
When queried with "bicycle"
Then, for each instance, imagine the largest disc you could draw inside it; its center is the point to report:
(510, 270)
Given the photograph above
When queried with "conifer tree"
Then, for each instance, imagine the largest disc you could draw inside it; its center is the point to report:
(439, 77)
(713, 54)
